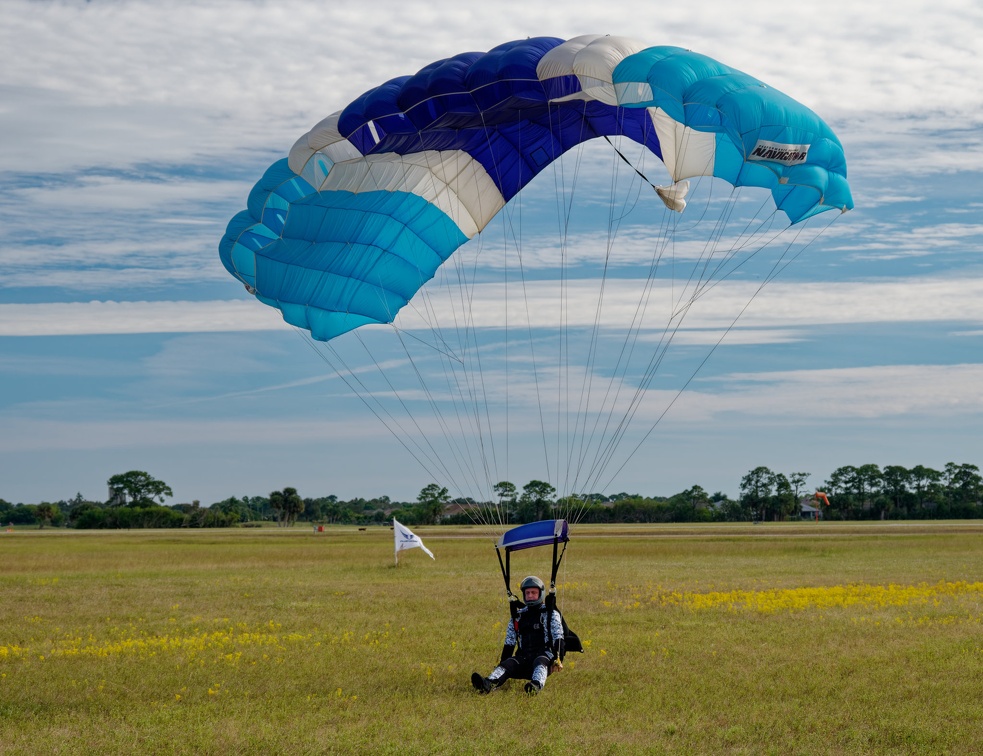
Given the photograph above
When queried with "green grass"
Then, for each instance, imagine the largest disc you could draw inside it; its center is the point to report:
(716, 639)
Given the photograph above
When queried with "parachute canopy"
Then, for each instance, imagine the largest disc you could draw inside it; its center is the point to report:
(373, 199)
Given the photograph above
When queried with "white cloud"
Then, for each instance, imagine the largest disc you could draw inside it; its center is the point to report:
(786, 306)
(35, 434)
(181, 79)
(844, 393)
(84, 318)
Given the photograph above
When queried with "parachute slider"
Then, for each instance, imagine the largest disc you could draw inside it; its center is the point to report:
(673, 196)
(542, 533)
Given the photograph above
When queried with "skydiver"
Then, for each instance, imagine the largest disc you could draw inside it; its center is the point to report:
(535, 639)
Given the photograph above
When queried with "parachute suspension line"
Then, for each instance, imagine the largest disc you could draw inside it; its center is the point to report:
(693, 375)
(743, 242)
(712, 240)
(512, 238)
(632, 333)
(453, 368)
(707, 281)
(513, 231)
(464, 333)
(423, 385)
(586, 384)
(464, 460)
(563, 199)
(582, 440)
(442, 347)
(474, 377)
(465, 467)
(471, 354)
(683, 303)
(472, 335)
(470, 397)
(777, 267)
(437, 459)
(603, 459)
(378, 409)
(564, 381)
(569, 433)
(505, 347)
(509, 231)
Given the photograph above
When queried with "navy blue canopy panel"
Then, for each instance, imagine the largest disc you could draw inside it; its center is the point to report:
(376, 197)
(493, 107)
(542, 533)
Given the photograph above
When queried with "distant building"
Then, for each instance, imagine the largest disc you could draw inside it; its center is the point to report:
(808, 510)
(457, 507)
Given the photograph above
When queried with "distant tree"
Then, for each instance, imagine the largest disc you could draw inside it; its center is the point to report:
(726, 508)
(536, 501)
(698, 498)
(690, 505)
(45, 513)
(337, 512)
(287, 504)
(839, 489)
(431, 502)
(798, 482)
(785, 501)
(756, 491)
(866, 481)
(894, 485)
(137, 489)
(236, 510)
(925, 481)
(506, 493)
(964, 487)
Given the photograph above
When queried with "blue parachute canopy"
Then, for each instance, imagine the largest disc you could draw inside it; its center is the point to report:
(376, 197)
(542, 533)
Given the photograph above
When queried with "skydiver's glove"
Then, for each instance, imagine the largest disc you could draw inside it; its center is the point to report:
(507, 651)
(557, 666)
(558, 649)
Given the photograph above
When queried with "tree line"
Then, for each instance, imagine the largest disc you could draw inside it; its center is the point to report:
(137, 500)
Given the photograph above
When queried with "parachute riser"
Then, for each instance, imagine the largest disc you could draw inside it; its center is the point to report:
(515, 603)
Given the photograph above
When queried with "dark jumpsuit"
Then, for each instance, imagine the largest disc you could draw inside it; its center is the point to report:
(531, 646)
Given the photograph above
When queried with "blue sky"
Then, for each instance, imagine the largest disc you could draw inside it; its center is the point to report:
(133, 131)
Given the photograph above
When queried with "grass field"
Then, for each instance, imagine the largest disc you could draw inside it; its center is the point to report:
(803, 638)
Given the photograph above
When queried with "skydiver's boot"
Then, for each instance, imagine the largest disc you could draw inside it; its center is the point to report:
(538, 680)
(481, 684)
(498, 677)
(495, 680)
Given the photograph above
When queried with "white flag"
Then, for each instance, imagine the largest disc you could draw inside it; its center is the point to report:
(407, 539)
